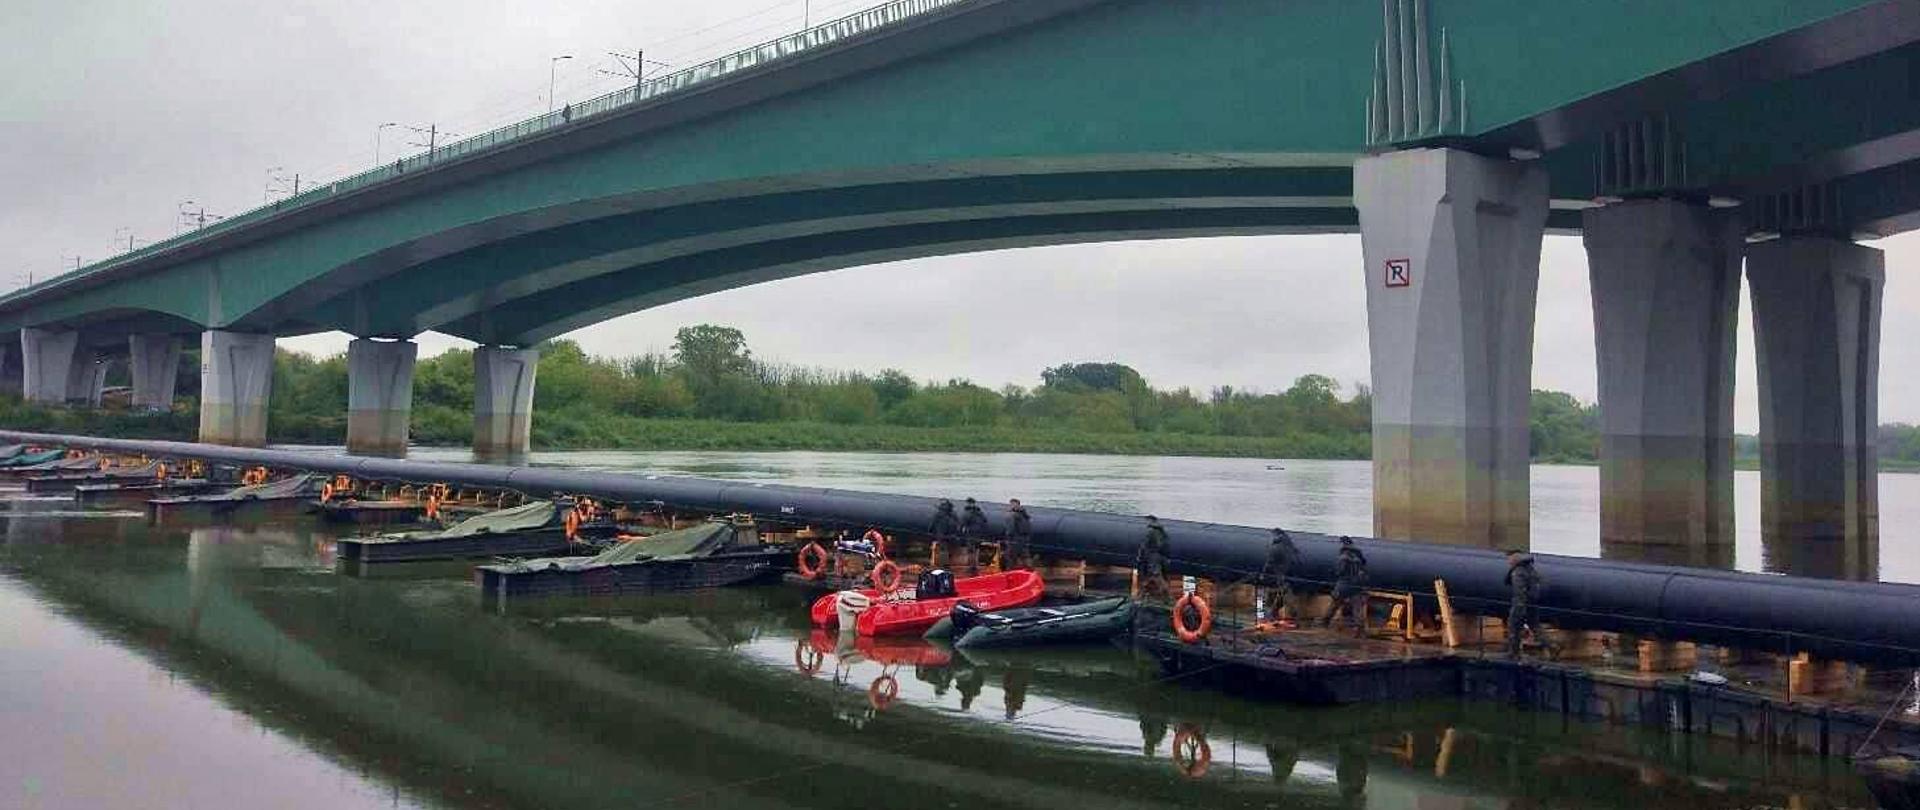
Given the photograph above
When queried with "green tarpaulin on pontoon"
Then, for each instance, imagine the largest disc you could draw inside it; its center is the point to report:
(697, 541)
(293, 487)
(521, 518)
(50, 461)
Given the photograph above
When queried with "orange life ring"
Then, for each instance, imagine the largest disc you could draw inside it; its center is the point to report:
(883, 692)
(76, 453)
(879, 542)
(1191, 753)
(1190, 635)
(806, 658)
(326, 492)
(433, 507)
(812, 570)
(885, 576)
(572, 524)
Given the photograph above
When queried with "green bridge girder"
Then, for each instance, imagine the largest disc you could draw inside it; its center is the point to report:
(1005, 123)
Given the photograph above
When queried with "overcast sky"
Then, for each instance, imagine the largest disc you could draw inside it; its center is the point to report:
(115, 112)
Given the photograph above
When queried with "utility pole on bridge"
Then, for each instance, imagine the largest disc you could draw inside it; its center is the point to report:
(197, 218)
(432, 133)
(636, 69)
(130, 239)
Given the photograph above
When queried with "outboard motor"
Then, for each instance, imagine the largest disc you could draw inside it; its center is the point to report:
(964, 616)
(935, 584)
(848, 606)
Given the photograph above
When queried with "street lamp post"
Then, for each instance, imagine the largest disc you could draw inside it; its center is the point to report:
(553, 65)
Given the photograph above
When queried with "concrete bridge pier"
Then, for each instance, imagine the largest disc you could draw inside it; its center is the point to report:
(57, 368)
(87, 381)
(379, 395)
(1816, 312)
(1666, 281)
(154, 363)
(236, 378)
(11, 370)
(503, 381)
(1452, 247)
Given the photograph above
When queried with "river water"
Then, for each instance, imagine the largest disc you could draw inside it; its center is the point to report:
(204, 665)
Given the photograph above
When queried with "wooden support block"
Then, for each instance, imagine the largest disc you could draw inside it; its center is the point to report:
(1448, 632)
(1809, 676)
(1733, 657)
(1667, 656)
(1579, 644)
(1115, 578)
(1236, 596)
(1062, 571)
(1314, 607)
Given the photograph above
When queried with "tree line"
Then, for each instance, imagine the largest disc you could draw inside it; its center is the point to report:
(712, 375)
(711, 392)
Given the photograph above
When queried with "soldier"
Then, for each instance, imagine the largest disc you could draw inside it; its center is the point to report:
(1280, 556)
(973, 529)
(945, 525)
(1524, 584)
(1151, 562)
(1019, 536)
(1349, 586)
(973, 523)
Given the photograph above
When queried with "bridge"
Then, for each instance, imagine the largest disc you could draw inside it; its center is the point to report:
(1682, 140)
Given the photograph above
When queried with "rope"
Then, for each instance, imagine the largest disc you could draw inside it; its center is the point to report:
(1889, 714)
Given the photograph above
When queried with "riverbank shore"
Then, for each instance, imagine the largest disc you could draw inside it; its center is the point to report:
(638, 433)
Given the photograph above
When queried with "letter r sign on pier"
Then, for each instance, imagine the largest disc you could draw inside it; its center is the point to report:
(1399, 272)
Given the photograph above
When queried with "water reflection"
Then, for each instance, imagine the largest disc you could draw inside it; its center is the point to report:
(407, 689)
(1716, 555)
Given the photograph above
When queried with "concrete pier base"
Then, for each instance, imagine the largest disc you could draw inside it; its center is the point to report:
(503, 382)
(379, 396)
(236, 378)
(1452, 247)
(87, 379)
(56, 369)
(1816, 312)
(1666, 282)
(12, 371)
(154, 363)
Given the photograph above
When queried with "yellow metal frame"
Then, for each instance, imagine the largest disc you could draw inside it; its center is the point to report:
(1402, 610)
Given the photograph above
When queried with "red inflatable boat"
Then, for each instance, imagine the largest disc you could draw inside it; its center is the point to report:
(898, 613)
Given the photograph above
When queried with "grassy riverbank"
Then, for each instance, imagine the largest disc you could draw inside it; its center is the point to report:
(697, 434)
(444, 427)
(636, 433)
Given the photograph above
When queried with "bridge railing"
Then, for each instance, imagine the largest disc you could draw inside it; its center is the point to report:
(826, 34)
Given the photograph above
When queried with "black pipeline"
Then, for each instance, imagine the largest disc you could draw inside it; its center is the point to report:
(1853, 621)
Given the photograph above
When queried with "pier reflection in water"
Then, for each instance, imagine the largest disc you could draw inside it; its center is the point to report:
(210, 665)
